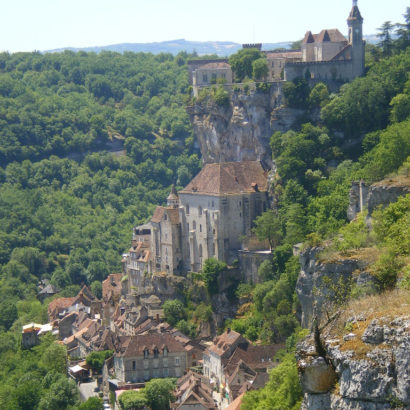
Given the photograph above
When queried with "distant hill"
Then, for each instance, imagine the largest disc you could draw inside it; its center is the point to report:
(220, 48)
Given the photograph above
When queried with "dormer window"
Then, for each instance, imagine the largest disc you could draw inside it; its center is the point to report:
(165, 351)
(156, 353)
(146, 353)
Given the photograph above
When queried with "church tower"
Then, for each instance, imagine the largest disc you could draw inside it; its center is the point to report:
(173, 199)
(355, 24)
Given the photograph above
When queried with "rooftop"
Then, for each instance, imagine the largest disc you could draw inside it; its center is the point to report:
(228, 178)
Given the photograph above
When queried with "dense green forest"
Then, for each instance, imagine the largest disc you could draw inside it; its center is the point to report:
(67, 204)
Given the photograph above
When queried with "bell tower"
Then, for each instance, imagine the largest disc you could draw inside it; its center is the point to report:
(355, 24)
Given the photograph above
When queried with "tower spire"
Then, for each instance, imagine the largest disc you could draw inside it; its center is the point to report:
(354, 3)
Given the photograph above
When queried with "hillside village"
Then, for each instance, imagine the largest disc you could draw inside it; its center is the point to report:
(213, 217)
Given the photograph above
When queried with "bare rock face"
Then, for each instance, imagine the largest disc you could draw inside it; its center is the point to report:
(381, 193)
(372, 369)
(385, 192)
(242, 130)
(318, 281)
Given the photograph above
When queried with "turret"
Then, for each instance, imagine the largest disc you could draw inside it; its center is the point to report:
(355, 24)
(173, 199)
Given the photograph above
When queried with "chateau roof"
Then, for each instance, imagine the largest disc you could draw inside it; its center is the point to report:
(332, 35)
(228, 178)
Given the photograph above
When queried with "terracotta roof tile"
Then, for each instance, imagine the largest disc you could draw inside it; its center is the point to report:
(228, 178)
(111, 287)
(136, 345)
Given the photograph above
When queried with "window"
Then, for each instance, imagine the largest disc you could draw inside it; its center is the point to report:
(194, 225)
(156, 353)
(187, 226)
(165, 362)
(177, 361)
(165, 351)
(146, 353)
(205, 78)
(213, 249)
(165, 216)
(146, 374)
(200, 251)
(213, 204)
(200, 228)
(166, 373)
(187, 209)
(200, 210)
(134, 365)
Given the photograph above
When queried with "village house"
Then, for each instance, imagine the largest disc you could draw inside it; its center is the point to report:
(151, 355)
(232, 363)
(193, 393)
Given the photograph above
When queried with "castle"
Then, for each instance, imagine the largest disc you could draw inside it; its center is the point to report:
(208, 218)
(325, 56)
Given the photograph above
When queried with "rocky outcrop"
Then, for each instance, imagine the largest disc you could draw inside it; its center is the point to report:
(387, 191)
(371, 365)
(381, 193)
(242, 130)
(322, 282)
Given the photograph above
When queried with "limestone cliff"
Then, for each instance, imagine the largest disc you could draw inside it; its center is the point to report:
(366, 363)
(381, 193)
(322, 280)
(242, 130)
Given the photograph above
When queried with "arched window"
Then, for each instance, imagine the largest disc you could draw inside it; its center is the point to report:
(146, 353)
(199, 210)
(156, 353)
(193, 225)
(187, 209)
(165, 351)
(200, 251)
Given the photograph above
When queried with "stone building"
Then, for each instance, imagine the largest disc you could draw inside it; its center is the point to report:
(326, 56)
(208, 218)
(147, 356)
(329, 55)
(218, 207)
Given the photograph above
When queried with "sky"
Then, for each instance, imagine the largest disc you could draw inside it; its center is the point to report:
(28, 25)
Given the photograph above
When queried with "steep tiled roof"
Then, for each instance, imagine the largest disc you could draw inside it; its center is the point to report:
(158, 214)
(172, 214)
(136, 345)
(308, 38)
(254, 356)
(58, 305)
(333, 35)
(224, 341)
(228, 178)
(111, 287)
(342, 52)
(236, 404)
